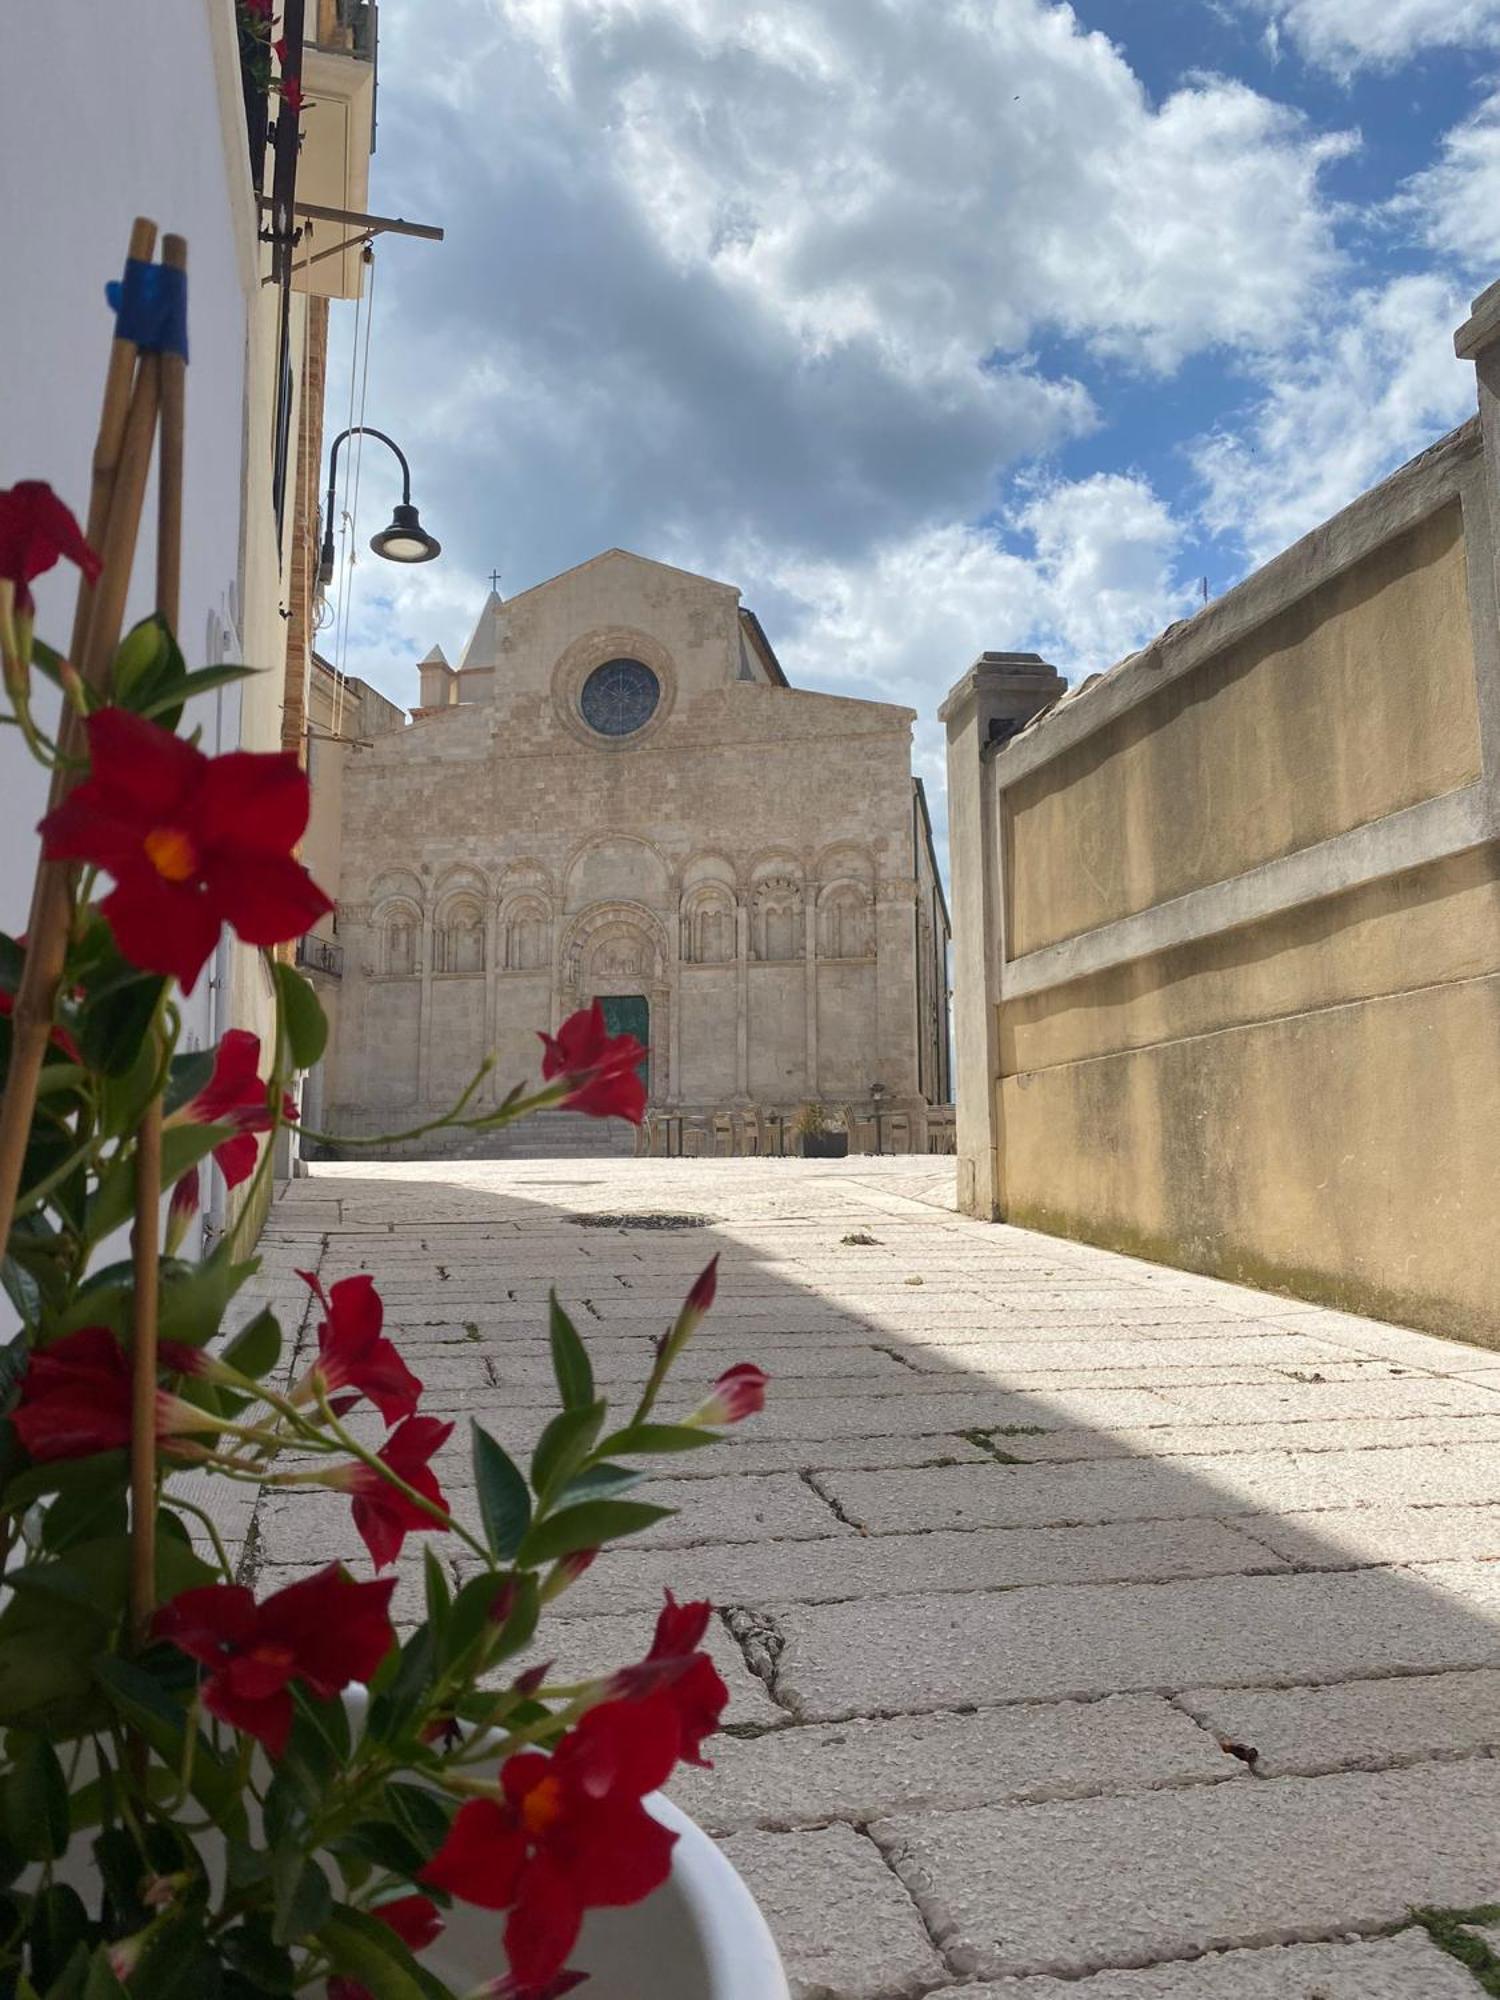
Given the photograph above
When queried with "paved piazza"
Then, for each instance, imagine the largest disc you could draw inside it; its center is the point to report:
(1095, 1631)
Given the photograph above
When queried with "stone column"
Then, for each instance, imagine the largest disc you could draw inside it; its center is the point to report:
(671, 1084)
(424, 1014)
(810, 947)
(494, 939)
(742, 1008)
(999, 693)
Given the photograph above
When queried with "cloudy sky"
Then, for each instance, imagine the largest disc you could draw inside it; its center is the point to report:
(934, 325)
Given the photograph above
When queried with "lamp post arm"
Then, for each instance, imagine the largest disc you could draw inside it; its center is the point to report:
(362, 430)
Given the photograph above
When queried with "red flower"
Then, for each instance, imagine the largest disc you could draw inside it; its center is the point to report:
(325, 1631)
(675, 1673)
(602, 1069)
(415, 1921)
(705, 1288)
(193, 842)
(352, 1353)
(291, 91)
(75, 1400)
(740, 1392)
(383, 1515)
(35, 530)
(237, 1095)
(569, 1834)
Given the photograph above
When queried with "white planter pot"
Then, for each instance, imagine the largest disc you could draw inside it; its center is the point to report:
(701, 1936)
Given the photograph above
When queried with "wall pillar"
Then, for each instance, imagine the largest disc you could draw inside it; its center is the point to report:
(494, 939)
(810, 949)
(999, 693)
(671, 1086)
(1478, 340)
(424, 1014)
(742, 1007)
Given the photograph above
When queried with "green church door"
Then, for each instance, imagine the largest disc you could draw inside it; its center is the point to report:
(630, 1014)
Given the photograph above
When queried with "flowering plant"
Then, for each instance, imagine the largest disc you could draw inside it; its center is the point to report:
(242, 1829)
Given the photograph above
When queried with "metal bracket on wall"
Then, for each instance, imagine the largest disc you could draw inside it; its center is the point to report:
(365, 227)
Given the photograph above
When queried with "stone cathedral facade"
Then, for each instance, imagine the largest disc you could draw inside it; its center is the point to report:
(617, 794)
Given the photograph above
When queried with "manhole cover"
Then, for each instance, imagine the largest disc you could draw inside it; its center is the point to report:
(641, 1221)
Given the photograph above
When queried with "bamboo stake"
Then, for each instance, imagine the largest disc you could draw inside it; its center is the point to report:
(47, 931)
(146, 1235)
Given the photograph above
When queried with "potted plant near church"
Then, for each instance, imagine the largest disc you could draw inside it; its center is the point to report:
(205, 1790)
(819, 1135)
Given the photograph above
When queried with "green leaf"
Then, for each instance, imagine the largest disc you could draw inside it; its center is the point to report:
(195, 1297)
(58, 1925)
(570, 1361)
(202, 680)
(140, 1700)
(438, 1594)
(563, 1446)
(95, 1574)
(44, 1656)
(638, 1439)
(186, 1076)
(83, 1514)
(256, 1348)
(597, 1482)
(65, 1475)
(304, 1025)
(300, 1895)
(33, 1798)
(182, 1146)
(472, 1613)
(365, 1950)
(588, 1527)
(116, 1012)
(504, 1503)
(249, 1948)
(424, 1815)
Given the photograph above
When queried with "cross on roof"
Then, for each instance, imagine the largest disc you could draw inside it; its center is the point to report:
(494, 579)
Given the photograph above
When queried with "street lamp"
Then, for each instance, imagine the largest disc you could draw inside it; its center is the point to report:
(405, 540)
(877, 1093)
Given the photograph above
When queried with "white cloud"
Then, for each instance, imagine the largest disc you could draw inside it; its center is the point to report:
(1095, 580)
(1345, 35)
(1378, 387)
(946, 180)
(1455, 203)
(1092, 579)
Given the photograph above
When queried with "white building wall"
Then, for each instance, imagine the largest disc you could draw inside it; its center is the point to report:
(111, 109)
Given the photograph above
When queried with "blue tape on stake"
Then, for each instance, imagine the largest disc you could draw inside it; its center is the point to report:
(150, 305)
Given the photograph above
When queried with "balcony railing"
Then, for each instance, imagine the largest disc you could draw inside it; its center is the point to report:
(320, 954)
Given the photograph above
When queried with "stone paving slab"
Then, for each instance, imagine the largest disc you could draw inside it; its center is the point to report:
(1088, 1639)
(846, 1928)
(1357, 1725)
(863, 1569)
(1212, 1440)
(1073, 1887)
(1027, 1532)
(1337, 1538)
(1408, 1967)
(1241, 1483)
(861, 1770)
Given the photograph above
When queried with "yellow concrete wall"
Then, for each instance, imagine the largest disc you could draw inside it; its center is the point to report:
(1309, 1102)
(1350, 704)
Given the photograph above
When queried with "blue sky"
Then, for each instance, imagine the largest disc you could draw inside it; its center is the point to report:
(935, 325)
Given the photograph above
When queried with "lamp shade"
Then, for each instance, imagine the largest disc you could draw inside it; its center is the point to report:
(406, 540)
